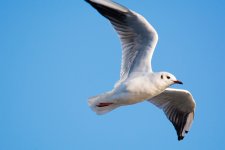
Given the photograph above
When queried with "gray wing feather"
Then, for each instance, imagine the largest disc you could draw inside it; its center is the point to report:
(178, 105)
(137, 36)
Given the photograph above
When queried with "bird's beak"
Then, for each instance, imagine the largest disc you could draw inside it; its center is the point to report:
(178, 82)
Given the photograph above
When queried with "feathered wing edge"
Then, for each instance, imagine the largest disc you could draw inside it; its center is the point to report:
(137, 36)
(178, 106)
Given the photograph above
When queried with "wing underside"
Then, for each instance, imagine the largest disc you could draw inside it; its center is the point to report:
(137, 36)
(178, 106)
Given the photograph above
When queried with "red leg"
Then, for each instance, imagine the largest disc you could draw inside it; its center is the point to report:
(103, 104)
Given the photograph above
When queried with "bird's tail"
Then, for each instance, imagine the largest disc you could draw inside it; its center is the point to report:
(102, 103)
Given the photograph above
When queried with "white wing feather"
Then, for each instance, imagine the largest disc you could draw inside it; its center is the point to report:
(138, 37)
(178, 105)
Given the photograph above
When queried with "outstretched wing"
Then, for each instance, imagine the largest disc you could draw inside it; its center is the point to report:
(138, 37)
(179, 106)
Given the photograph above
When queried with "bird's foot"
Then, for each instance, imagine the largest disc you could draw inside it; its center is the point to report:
(103, 104)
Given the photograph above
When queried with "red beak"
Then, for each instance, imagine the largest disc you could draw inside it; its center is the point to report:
(178, 82)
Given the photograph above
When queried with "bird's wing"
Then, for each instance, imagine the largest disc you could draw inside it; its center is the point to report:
(138, 37)
(178, 105)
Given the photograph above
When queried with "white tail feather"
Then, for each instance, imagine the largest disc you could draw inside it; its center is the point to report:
(93, 102)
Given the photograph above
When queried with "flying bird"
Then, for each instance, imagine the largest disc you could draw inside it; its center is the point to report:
(138, 82)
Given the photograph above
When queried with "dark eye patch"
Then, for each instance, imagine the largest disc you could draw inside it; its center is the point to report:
(161, 76)
(168, 77)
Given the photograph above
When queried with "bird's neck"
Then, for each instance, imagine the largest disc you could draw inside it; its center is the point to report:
(158, 85)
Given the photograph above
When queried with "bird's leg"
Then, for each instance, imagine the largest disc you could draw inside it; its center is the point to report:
(103, 104)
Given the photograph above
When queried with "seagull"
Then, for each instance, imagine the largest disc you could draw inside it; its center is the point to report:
(138, 82)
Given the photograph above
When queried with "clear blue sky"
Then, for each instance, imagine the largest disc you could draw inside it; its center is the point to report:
(55, 54)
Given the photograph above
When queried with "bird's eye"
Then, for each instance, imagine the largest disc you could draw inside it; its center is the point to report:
(161, 76)
(168, 77)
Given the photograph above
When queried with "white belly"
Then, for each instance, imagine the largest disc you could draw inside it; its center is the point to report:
(134, 91)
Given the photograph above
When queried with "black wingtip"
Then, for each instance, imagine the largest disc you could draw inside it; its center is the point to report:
(88, 1)
(180, 138)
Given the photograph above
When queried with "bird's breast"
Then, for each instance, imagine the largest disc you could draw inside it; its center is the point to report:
(140, 88)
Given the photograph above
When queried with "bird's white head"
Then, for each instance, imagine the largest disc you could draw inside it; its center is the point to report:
(167, 79)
